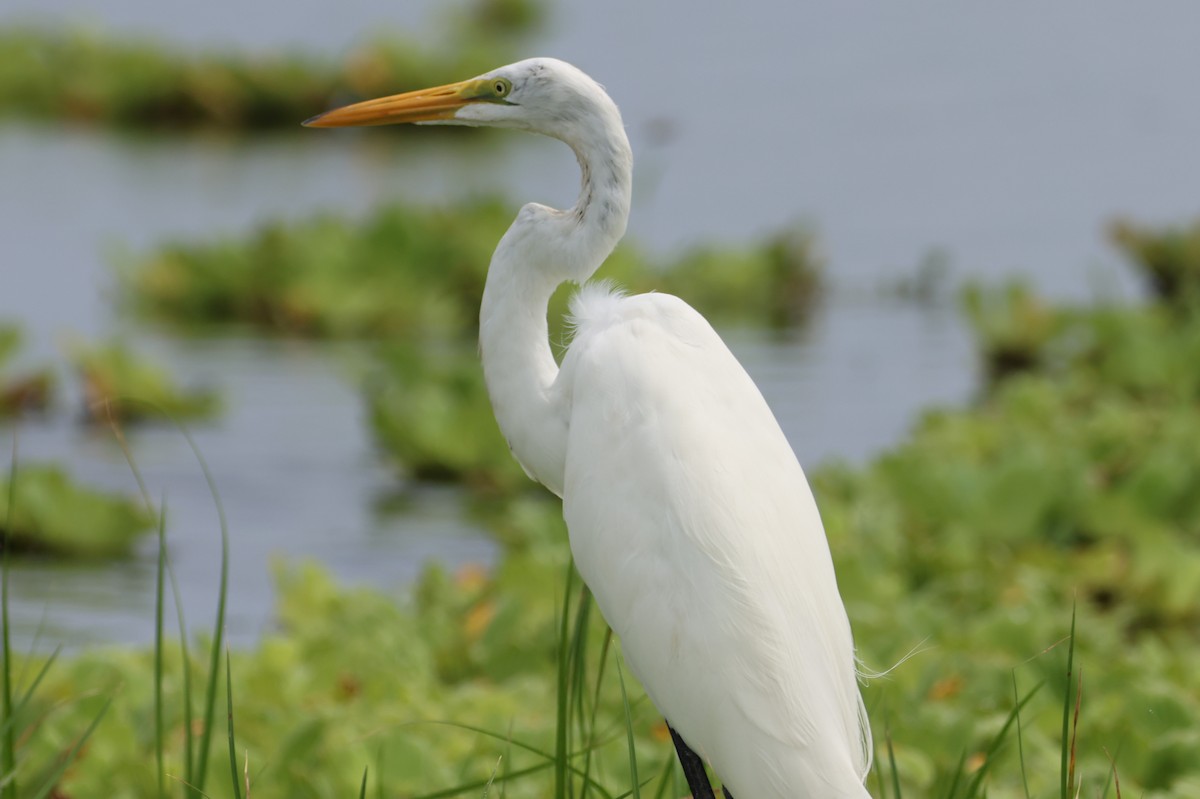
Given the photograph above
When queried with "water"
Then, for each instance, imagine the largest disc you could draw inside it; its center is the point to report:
(1004, 136)
(297, 478)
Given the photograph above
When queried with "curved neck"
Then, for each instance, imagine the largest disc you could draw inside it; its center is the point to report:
(543, 248)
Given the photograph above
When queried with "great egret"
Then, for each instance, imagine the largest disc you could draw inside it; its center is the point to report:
(690, 518)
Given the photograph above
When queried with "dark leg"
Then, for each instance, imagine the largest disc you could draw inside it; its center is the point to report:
(725, 791)
(693, 768)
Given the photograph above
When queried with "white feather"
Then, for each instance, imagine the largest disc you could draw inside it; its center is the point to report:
(692, 522)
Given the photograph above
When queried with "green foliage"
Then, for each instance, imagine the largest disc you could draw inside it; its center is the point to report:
(1168, 259)
(119, 385)
(27, 391)
(88, 77)
(429, 412)
(52, 514)
(418, 274)
(1012, 326)
(774, 284)
(1078, 478)
(349, 675)
(400, 272)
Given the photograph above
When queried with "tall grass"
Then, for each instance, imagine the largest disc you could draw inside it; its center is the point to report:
(966, 782)
(48, 779)
(195, 758)
(8, 760)
(577, 734)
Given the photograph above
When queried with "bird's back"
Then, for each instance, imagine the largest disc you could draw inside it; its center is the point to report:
(693, 525)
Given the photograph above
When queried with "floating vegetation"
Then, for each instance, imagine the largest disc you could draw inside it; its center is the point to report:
(1168, 258)
(27, 391)
(53, 515)
(87, 77)
(1013, 326)
(419, 273)
(120, 385)
(429, 412)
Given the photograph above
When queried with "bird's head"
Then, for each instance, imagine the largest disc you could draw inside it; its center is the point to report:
(543, 95)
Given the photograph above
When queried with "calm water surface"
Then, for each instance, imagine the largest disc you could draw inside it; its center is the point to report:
(1003, 136)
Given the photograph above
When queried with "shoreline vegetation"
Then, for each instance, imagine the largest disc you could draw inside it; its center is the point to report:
(1072, 481)
(416, 274)
(88, 77)
(53, 515)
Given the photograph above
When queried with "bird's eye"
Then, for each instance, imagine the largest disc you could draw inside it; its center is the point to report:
(501, 86)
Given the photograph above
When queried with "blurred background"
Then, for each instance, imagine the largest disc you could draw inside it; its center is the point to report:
(916, 149)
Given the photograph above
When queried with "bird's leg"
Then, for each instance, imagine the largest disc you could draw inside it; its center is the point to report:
(693, 768)
(725, 791)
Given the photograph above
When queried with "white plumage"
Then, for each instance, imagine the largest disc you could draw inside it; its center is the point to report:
(691, 521)
(690, 518)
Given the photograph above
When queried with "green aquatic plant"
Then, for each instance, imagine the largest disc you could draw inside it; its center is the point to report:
(22, 392)
(399, 272)
(1013, 326)
(120, 385)
(1167, 258)
(51, 514)
(418, 273)
(429, 412)
(1076, 479)
(87, 77)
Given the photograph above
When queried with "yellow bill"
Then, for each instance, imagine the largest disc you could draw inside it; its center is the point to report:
(424, 105)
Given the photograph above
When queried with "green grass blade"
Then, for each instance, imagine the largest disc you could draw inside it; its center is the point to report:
(633, 771)
(550, 757)
(880, 785)
(577, 715)
(1113, 778)
(665, 778)
(159, 599)
(237, 784)
(959, 770)
(591, 728)
(492, 779)
(507, 764)
(471, 787)
(1065, 787)
(560, 738)
(1020, 740)
(1071, 784)
(379, 772)
(56, 773)
(892, 763)
(362, 790)
(632, 791)
(8, 745)
(8, 777)
(37, 680)
(976, 784)
(210, 695)
(185, 655)
(189, 758)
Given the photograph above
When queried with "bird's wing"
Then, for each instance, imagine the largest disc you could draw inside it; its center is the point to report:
(693, 525)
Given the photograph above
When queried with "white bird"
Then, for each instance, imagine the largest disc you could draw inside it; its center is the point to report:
(689, 516)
